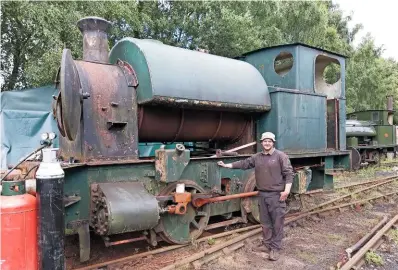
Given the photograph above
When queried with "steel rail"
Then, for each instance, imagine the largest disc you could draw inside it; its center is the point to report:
(211, 250)
(366, 182)
(130, 258)
(292, 218)
(346, 196)
(225, 251)
(165, 249)
(358, 256)
(362, 261)
(366, 238)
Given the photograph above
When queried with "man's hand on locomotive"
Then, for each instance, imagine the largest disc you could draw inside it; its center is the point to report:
(222, 164)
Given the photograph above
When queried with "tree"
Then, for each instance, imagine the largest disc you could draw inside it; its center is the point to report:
(370, 78)
(35, 33)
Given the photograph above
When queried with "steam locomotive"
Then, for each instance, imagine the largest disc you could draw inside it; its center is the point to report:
(204, 108)
(372, 135)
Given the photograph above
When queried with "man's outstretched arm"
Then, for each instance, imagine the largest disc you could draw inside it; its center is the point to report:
(242, 164)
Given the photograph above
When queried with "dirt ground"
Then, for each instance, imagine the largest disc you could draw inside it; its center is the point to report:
(320, 242)
(314, 243)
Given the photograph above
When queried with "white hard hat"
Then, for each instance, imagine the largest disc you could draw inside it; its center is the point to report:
(268, 135)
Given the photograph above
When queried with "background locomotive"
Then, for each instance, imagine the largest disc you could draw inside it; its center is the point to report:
(371, 135)
(144, 91)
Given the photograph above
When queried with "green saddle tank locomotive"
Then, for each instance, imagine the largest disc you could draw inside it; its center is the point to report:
(372, 135)
(213, 108)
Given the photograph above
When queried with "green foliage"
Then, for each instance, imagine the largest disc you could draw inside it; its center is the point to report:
(372, 257)
(35, 33)
(393, 233)
(211, 241)
(370, 78)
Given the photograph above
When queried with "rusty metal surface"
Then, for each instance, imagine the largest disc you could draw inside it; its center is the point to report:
(125, 241)
(202, 201)
(95, 41)
(109, 117)
(71, 96)
(158, 124)
(302, 180)
(170, 163)
(107, 129)
(26, 170)
(129, 73)
(58, 114)
(182, 200)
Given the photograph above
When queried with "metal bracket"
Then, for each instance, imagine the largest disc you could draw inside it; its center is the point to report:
(69, 200)
(129, 73)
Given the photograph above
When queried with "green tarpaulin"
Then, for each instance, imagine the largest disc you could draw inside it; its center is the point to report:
(24, 116)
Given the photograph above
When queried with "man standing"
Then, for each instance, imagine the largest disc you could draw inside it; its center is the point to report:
(274, 177)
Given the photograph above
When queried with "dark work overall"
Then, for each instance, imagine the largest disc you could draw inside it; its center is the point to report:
(272, 217)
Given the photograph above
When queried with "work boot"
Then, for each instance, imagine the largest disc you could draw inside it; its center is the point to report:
(262, 248)
(274, 255)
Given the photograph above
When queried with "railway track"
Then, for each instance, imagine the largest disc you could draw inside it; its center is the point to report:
(166, 249)
(353, 185)
(248, 234)
(390, 164)
(354, 190)
(371, 241)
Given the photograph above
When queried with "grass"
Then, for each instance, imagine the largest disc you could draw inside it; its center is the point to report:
(211, 241)
(393, 233)
(307, 256)
(368, 172)
(386, 161)
(372, 257)
(372, 170)
(334, 237)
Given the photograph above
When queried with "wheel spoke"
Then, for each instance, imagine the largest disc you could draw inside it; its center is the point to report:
(181, 229)
(195, 224)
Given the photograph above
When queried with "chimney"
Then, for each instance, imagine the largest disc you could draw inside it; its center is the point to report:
(390, 103)
(95, 38)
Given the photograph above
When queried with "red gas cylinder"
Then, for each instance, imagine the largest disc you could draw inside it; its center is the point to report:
(18, 227)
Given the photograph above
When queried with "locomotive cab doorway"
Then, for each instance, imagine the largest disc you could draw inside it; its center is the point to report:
(328, 82)
(332, 118)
